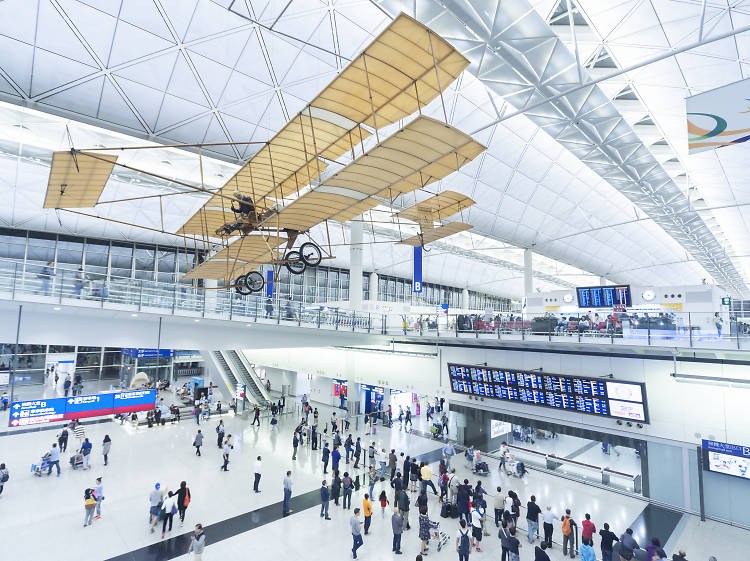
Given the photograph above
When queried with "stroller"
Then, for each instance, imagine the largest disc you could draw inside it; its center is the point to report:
(42, 466)
(481, 468)
(515, 469)
(441, 537)
(436, 430)
(76, 461)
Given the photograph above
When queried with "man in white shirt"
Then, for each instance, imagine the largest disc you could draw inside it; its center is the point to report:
(257, 475)
(225, 455)
(287, 493)
(548, 517)
(448, 452)
(477, 515)
(54, 459)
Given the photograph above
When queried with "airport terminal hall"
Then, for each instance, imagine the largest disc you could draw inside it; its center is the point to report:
(306, 279)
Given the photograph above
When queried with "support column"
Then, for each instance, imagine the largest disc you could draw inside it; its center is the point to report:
(373, 295)
(465, 299)
(602, 281)
(210, 295)
(528, 279)
(356, 250)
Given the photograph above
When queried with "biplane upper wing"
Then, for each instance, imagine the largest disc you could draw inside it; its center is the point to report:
(317, 206)
(442, 205)
(422, 152)
(435, 234)
(77, 179)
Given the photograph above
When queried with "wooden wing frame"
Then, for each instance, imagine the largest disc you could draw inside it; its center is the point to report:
(241, 256)
(433, 209)
(77, 179)
(435, 234)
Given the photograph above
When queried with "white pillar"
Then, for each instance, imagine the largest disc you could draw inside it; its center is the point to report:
(602, 281)
(528, 279)
(356, 250)
(465, 299)
(210, 294)
(373, 293)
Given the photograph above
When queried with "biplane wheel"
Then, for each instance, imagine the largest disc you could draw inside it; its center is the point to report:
(294, 263)
(241, 287)
(254, 281)
(310, 254)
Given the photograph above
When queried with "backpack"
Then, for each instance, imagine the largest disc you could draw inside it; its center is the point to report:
(566, 530)
(463, 544)
(4, 478)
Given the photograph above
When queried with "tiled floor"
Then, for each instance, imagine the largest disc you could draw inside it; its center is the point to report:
(52, 508)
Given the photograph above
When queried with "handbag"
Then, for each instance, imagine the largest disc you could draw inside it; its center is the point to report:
(187, 497)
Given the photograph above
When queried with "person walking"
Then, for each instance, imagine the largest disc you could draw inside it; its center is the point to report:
(220, 434)
(373, 478)
(106, 445)
(548, 516)
(354, 524)
(348, 486)
(99, 496)
(477, 518)
(448, 452)
(225, 454)
(357, 452)
(336, 487)
(183, 500)
(256, 415)
(403, 506)
(62, 439)
(392, 463)
(89, 505)
(335, 458)
(608, 539)
(444, 422)
(348, 447)
(568, 532)
(463, 542)
(426, 473)
(168, 510)
(197, 543)
(198, 442)
(256, 473)
(532, 518)
(53, 459)
(397, 525)
(367, 510)
(424, 530)
(325, 498)
(287, 493)
(4, 476)
(326, 455)
(295, 443)
(155, 500)
(86, 452)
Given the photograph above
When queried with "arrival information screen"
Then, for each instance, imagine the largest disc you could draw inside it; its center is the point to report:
(595, 396)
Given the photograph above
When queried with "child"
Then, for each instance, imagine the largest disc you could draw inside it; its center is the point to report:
(383, 502)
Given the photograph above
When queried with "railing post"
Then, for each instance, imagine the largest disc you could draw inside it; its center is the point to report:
(62, 282)
(203, 313)
(336, 318)
(15, 274)
(278, 312)
(437, 326)
(648, 325)
(369, 320)
(690, 329)
(354, 318)
(174, 299)
(455, 324)
(256, 309)
(231, 304)
(299, 315)
(549, 330)
(318, 318)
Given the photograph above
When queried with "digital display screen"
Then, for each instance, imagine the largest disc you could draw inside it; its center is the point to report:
(604, 296)
(729, 459)
(594, 396)
(499, 428)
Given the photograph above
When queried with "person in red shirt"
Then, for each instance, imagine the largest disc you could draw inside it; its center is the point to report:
(588, 528)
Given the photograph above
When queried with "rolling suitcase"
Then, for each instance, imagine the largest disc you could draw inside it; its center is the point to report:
(445, 510)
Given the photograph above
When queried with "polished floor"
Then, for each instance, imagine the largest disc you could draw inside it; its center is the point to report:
(241, 524)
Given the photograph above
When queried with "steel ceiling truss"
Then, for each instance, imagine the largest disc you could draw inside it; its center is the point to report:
(518, 56)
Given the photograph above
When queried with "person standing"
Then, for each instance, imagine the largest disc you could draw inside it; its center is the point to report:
(357, 452)
(197, 543)
(257, 472)
(373, 477)
(477, 518)
(587, 552)
(367, 510)
(225, 454)
(106, 445)
(406, 472)
(532, 518)
(628, 544)
(608, 539)
(462, 501)
(54, 459)
(348, 486)
(424, 529)
(568, 532)
(499, 504)
(392, 463)
(444, 422)
(548, 516)
(99, 496)
(86, 452)
(448, 452)
(62, 439)
(335, 458)
(408, 418)
(198, 442)
(354, 524)
(183, 500)
(168, 510)
(326, 455)
(588, 529)
(397, 525)
(336, 487)
(513, 545)
(540, 554)
(220, 434)
(349, 447)
(463, 542)
(287, 493)
(325, 498)
(403, 506)
(295, 443)
(4, 476)
(89, 504)
(504, 535)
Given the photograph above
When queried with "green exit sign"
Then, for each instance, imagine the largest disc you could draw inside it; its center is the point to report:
(726, 301)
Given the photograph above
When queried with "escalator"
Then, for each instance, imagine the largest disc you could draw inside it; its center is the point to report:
(231, 376)
(243, 371)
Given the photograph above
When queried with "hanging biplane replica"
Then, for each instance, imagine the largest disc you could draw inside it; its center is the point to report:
(281, 193)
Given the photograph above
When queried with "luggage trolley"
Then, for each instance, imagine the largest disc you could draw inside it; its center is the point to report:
(41, 467)
(441, 537)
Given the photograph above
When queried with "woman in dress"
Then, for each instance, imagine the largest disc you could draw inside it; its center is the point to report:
(424, 529)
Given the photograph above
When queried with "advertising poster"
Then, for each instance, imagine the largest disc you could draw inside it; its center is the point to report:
(719, 117)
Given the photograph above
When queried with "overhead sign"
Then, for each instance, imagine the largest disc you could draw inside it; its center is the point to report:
(416, 283)
(40, 411)
(82, 406)
(147, 353)
(239, 391)
(730, 459)
(726, 301)
(269, 283)
(37, 412)
(719, 117)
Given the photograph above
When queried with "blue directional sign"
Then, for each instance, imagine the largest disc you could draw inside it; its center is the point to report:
(37, 411)
(135, 400)
(81, 406)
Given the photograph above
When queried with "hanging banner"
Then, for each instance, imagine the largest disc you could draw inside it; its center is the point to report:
(269, 283)
(416, 285)
(719, 117)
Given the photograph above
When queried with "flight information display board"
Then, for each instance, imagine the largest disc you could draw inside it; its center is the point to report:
(604, 296)
(595, 396)
(730, 459)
